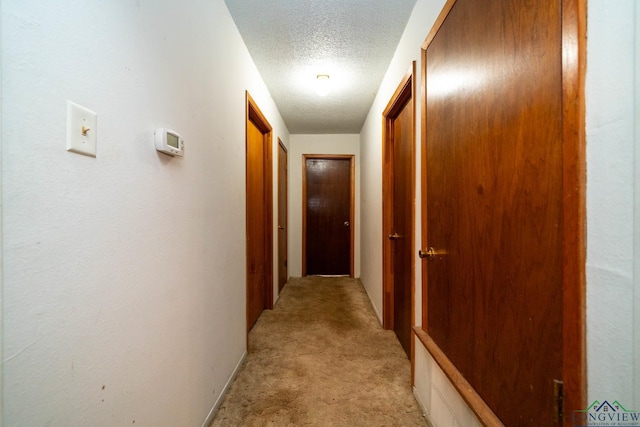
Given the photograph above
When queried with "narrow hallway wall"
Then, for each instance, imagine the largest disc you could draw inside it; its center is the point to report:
(124, 274)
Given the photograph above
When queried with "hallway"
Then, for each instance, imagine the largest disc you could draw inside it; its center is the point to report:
(123, 272)
(320, 357)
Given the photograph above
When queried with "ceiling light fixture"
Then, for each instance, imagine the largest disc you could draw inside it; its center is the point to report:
(322, 84)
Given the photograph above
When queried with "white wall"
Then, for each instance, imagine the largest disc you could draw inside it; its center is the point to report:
(610, 93)
(317, 144)
(610, 162)
(124, 275)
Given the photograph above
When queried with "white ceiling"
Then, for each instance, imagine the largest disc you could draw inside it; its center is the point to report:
(292, 41)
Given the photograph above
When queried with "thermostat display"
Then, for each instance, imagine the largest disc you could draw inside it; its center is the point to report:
(169, 142)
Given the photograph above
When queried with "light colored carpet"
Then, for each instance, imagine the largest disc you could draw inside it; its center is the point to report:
(321, 358)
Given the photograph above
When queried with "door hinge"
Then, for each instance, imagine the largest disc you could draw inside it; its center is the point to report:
(558, 401)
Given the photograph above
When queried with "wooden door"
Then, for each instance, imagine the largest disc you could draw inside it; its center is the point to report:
(494, 201)
(259, 214)
(328, 215)
(283, 204)
(398, 212)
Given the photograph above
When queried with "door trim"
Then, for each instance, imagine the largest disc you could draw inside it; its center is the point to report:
(403, 94)
(574, 244)
(286, 226)
(573, 218)
(352, 191)
(254, 115)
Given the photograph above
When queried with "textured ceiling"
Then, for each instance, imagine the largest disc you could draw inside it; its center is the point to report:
(292, 41)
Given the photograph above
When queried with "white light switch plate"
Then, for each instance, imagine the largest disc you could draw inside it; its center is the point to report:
(82, 130)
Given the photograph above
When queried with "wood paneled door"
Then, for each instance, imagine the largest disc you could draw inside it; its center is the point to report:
(259, 213)
(398, 209)
(283, 206)
(328, 193)
(503, 205)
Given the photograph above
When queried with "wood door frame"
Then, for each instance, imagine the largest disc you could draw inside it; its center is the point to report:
(404, 94)
(352, 191)
(573, 219)
(286, 226)
(254, 115)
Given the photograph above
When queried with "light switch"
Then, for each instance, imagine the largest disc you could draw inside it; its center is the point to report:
(82, 125)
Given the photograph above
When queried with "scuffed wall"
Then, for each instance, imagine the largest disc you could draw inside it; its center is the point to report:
(124, 274)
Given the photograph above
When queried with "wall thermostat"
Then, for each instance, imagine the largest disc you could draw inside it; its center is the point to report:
(169, 142)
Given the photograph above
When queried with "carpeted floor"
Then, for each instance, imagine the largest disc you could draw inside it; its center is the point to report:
(320, 358)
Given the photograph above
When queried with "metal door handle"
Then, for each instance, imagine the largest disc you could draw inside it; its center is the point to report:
(280, 227)
(346, 223)
(394, 236)
(431, 253)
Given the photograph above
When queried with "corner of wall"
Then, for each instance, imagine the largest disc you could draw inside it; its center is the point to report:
(225, 390)
(375, 309)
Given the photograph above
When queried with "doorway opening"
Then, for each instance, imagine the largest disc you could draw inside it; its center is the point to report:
(398, 212)
(283, 215)
(259, 213)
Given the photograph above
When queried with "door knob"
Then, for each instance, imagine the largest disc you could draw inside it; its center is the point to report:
(431, 253)
(280, 227)
(394, 236)
(346, 223)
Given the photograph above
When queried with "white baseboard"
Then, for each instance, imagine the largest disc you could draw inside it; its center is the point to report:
(225, 389)
(423, 407)
(375, 309)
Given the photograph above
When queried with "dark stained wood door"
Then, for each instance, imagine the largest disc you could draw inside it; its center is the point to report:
(259, 214)
(327, 203)
(283, 232)
(398, 211)
(494, 153)
(402, 225)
